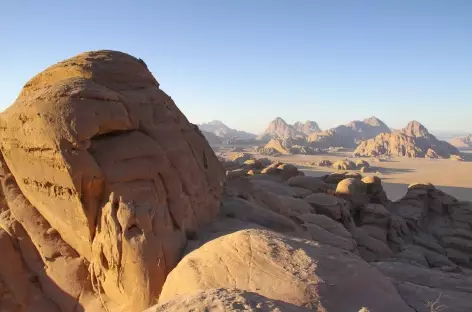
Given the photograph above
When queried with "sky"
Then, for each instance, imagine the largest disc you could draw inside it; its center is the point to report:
(246, 62)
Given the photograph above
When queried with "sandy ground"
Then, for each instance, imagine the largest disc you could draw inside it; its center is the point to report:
(453, 177)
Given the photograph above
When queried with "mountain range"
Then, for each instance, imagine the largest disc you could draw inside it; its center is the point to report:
(369, 136)
(412, 141)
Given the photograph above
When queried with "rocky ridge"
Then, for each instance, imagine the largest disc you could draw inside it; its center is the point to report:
(412, 141)
(349, 135)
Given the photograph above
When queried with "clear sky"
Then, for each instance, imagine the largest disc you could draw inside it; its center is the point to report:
(246, 62)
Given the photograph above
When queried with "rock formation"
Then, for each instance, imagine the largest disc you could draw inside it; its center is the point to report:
(107, 175)
(350, 134)
(279, 128)
(308, 127)
(286, 146)
(111, 200)
(412, 141)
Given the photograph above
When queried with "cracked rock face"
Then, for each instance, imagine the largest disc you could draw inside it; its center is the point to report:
(112, 169)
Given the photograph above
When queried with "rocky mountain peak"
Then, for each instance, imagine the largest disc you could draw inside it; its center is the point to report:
(416, 129)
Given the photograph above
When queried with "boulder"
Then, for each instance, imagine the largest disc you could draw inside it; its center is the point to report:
(362, 164)
(324, 163)
(240, 158)
(311, 183)
(253, 164)
(328, 205)
(344, 164)
(353, 190)
(300, 272)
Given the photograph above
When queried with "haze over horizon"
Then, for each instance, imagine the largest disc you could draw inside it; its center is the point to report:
(246, 62)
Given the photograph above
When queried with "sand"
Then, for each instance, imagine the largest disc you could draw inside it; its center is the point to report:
(453, 177)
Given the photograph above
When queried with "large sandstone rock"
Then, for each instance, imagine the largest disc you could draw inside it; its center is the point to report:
(112, 169)
(296, 271)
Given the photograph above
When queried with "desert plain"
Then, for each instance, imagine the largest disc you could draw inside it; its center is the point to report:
(452, 177)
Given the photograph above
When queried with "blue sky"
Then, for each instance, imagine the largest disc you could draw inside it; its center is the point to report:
(246, 62)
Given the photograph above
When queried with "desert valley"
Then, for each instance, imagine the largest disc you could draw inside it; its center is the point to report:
(399, 157)
(112, 200)
(236, 156)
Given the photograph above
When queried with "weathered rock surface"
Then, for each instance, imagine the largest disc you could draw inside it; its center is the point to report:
(111, 175)
(300, 272)
(223, 300)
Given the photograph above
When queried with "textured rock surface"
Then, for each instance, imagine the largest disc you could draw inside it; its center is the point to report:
(223, 300)
(296, 271)
(110, 173)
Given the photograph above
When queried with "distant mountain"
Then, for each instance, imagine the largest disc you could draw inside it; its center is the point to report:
(308, 127)
(279, 128)
(412, 141)
(351, 134)
(221, 130)
(464, 142)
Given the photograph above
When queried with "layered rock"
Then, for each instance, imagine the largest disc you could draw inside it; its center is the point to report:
(412, 141)
(107, 173)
